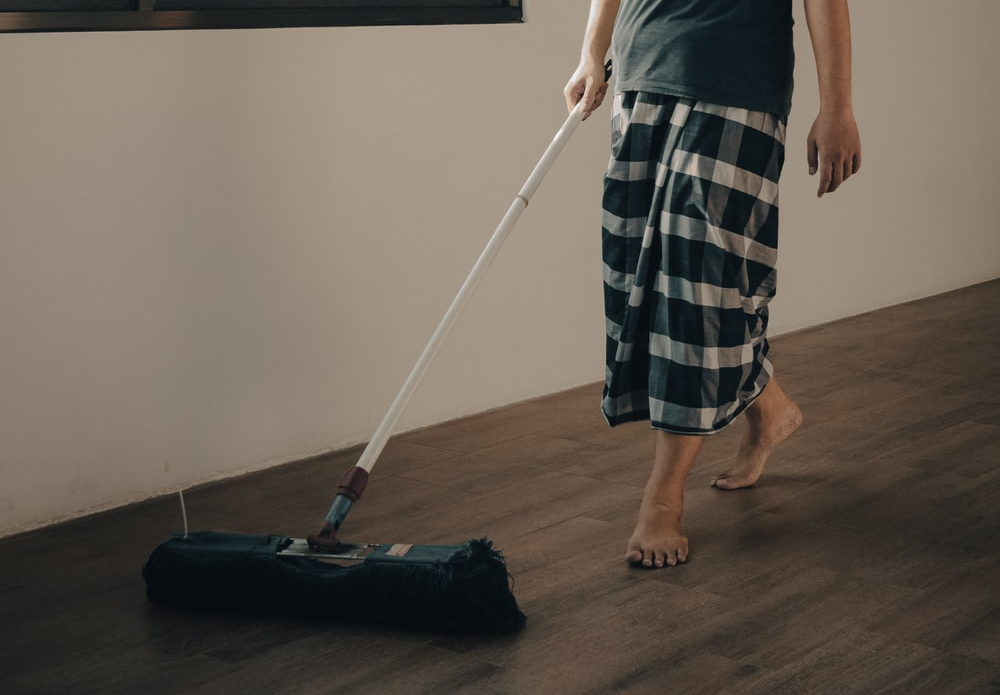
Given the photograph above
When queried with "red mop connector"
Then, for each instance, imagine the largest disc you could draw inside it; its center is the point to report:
(353, 483)
(350, 489)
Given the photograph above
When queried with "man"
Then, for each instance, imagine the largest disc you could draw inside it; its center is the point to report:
(703, 91)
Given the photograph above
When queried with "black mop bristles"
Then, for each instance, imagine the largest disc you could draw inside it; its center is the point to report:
(453, 588)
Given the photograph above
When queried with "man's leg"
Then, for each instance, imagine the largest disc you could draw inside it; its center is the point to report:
(771, 419)
(658, 539)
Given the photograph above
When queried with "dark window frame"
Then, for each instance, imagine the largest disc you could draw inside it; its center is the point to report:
(140, 15)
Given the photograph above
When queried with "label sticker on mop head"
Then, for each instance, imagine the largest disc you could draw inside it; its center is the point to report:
(399, 549)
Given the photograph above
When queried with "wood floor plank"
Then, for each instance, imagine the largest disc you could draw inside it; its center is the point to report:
(959, 609)
(850, 662)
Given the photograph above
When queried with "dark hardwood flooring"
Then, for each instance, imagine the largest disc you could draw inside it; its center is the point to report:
(867, 560)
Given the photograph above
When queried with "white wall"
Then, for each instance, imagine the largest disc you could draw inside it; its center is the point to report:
(918, 218)
(223, 250)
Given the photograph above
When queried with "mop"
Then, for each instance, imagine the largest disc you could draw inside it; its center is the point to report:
(454, 588)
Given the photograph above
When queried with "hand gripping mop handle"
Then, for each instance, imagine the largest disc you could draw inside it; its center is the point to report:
(354, 481)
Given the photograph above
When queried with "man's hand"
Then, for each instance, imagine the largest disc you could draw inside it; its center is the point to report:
(834, 146)
(833, 149)
(588, 84)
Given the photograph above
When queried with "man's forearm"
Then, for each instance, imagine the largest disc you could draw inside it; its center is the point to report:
(830, 31)
(600, 26)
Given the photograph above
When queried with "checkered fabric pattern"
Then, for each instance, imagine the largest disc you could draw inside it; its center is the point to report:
(690, 235)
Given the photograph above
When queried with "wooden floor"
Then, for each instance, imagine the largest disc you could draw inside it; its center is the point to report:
(867, 560)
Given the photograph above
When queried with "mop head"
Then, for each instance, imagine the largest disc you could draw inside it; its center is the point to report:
(452, 588)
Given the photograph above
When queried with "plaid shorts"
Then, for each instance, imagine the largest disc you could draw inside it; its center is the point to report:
(690, 236)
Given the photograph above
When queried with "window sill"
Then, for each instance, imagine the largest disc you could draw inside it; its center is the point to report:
(342, 13)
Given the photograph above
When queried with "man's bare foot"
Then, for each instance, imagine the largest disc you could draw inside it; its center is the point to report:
(771, 419)
(657, 539)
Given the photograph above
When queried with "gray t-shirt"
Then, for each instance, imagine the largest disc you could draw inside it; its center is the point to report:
(727, 52)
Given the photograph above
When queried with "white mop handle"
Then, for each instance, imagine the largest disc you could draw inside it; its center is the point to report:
(520, 202)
